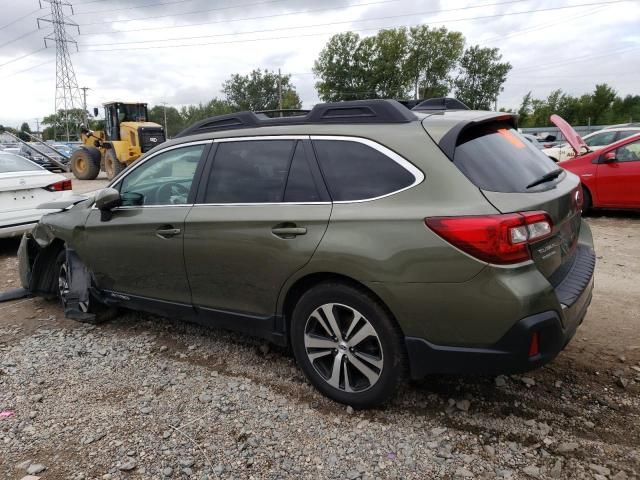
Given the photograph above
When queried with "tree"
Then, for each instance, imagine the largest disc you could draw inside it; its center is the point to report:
(433, 54)
(55, 123)
(525, 109)
(340, 69)
(386, 52)
(24, 130)
(175, 122)
(260, 91)
(481, 77)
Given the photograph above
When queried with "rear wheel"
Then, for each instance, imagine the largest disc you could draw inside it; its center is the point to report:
(99, 311)
(112, 165)
(348, 345)
(85, 163)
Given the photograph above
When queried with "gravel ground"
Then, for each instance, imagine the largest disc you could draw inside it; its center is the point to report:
(147, 397)
(84, 186)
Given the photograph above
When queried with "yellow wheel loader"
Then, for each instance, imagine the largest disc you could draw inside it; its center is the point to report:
(127, 135)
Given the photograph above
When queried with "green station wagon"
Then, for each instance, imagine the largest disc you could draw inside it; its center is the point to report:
(379, 243)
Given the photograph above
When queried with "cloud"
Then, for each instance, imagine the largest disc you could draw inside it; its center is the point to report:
(571, 49)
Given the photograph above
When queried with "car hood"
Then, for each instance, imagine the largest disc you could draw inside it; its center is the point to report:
(573, 139)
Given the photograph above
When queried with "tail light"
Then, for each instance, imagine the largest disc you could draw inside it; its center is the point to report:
(500, 239)
(59, 186)
(534, 345)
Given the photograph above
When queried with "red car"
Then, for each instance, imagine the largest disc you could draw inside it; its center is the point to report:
(610, 176)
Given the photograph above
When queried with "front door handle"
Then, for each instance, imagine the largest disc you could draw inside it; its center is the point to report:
(167, 232)
(288, 231)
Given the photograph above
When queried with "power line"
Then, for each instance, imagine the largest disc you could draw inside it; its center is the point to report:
(19, 38)
(19, 18)
(185, 13)
(135, 7)
(21, 57)
(301, 26)
(483, 17)
(29, 69)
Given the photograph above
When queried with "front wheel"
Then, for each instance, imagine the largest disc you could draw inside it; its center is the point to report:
(89, 311)
(348, 345)
(112, 165)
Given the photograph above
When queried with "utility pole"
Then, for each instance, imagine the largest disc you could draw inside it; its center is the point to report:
(37, 125)
(166, 132)
(67, 93)
(279, 92)
(84, 105)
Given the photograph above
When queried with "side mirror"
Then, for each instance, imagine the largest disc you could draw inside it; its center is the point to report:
(609, 157)
(108, 199)
(95, 111)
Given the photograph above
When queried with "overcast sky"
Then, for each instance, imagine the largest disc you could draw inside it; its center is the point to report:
(191, 46)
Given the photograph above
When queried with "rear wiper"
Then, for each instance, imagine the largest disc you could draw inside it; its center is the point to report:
(547, 177)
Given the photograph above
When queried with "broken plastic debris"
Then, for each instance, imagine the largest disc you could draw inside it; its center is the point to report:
(6, 413)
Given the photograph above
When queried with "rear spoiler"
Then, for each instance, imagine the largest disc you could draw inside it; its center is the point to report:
(449, 141)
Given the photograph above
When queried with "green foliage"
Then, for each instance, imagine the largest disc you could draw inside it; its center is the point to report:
(56, 124)
(260, 91)
(400, 62)
(22, 133)
(602, 107)
(481, 77)
(433, 55)
(175, 122)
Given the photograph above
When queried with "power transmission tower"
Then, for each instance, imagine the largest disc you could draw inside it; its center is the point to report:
(67, 92)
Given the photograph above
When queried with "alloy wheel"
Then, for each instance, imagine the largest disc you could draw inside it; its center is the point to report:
(343, 347)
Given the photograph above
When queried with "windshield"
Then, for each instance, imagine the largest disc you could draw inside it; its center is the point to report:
(495, 157)
(15, 163)
(132, 113)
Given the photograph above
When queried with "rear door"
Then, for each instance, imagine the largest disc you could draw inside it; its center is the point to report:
(260, 214)
(618, 181)
(505, 166)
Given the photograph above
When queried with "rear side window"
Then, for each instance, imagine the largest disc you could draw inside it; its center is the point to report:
(496, 158)
(300, 184)
(251, 171)
(355, 171)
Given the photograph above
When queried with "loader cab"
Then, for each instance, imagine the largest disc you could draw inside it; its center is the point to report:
(116, 113)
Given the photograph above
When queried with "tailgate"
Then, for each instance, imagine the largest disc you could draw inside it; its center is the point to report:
(553, 255)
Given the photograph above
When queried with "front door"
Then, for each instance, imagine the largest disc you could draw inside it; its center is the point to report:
(258, 219)
(618, 181)
(139, 250)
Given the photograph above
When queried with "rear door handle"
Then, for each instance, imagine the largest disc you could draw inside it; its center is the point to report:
(167, 232)
(288, 232)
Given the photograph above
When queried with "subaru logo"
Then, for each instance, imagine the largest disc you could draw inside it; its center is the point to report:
(153, 139)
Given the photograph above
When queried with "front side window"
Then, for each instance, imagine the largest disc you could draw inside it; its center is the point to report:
(250, 171)
(355, 171)
(164, 179)
(600, 139)
(629, 153)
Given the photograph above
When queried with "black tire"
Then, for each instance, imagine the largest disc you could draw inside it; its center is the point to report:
(85, 163)
(586, 200)
(384, 346)
(100, 312)
(112, 165)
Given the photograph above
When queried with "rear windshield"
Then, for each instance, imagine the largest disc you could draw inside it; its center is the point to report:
(497, 158)
(15, 163)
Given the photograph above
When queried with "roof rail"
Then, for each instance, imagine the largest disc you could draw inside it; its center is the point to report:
(356, 111)
(440, 103)
(282, 112)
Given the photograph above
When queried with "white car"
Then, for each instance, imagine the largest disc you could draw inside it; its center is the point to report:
(23, 186)
(595, 141)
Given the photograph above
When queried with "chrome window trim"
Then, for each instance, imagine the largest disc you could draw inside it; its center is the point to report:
(258, 137)
(404, 163)
(257, 204)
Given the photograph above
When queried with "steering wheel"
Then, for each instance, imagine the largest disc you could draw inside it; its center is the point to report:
(168, 190)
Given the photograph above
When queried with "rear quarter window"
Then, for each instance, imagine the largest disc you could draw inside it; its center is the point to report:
(495, 157)
(356, 171)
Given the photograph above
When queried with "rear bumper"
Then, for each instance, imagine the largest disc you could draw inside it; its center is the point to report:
(17, 229)
(511, 353)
